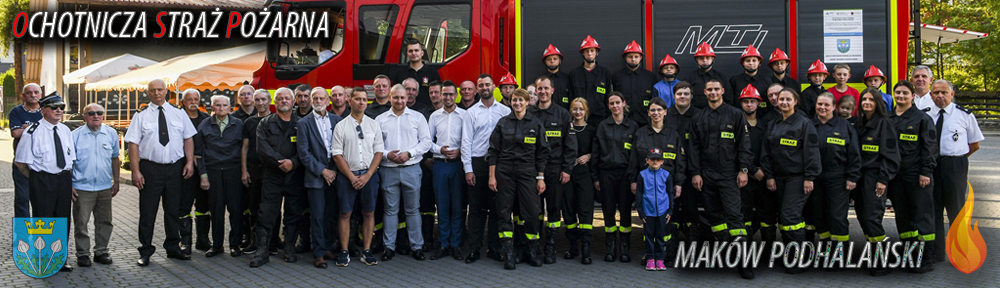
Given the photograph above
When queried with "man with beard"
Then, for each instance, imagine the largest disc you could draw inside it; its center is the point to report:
(705, 57)
(591, 81)
(314, 145)
(635, 83)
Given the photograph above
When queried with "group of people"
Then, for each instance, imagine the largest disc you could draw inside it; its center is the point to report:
(356, 179)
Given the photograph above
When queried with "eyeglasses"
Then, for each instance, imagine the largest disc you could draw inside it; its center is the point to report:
(56, 106)
(92, 113)
(246, 94)
(361, 135)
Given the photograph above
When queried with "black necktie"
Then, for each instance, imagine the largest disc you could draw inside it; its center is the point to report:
(940, 125)
(164, 134)
(60, 158)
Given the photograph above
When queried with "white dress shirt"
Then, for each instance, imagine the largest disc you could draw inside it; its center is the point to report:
(958, 130)
(144, 131)
(357, 152)
(325, 131)
(477, 128)
(406, 132)
(923, 101)
(446, 129)
(37, 148)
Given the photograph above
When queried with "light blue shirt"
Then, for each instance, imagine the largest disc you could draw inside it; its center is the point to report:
(92, 170)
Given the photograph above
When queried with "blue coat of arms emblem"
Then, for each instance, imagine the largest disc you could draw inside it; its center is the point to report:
(39, 245)
(843, 45)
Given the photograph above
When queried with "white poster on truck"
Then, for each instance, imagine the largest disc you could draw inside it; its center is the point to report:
(843, 36)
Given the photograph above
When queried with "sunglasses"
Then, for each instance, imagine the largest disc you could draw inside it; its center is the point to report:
(92, 113)
(56, 106)
(361, 135)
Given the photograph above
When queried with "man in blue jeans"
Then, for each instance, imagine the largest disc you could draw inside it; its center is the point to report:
(22, 116)
(445, 126)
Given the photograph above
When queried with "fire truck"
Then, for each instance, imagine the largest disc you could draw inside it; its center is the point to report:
(465, 38)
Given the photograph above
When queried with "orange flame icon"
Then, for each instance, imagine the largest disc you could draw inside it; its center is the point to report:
(966, 248)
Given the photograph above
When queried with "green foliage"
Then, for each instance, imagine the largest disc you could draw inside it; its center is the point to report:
(8, 10)
(971, 65)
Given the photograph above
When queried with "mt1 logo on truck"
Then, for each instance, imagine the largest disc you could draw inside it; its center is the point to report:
(726, 39)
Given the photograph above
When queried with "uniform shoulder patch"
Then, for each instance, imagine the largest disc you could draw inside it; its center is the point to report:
(966, 110)
(928, 109)
(31, 129)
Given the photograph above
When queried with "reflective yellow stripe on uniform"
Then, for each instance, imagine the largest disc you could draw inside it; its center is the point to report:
(748, 224)
(246, 211)
(668, 155)
(908, 137)
(571, 226)
(610, 229)
(811, 227)
(196, 213)
(554, 225)
(719, 227)
(909, 234)
(541, 217)
(427, 213)
(676, 224)
(792, 227)
(789, 142)
(531, 236)
(587, 226)
(667, 238)
(738, 232)
(378, 226)
(824, 235)
(835, 141)
(928, 237)
(507, 234)
(876, 238)
(625, 229)
(401, 225)
(728, 135)
(762, 224)
(555, 133)
(869, 148)
(841, 238)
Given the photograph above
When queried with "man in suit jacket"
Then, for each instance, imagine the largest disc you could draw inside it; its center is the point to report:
(315, 139)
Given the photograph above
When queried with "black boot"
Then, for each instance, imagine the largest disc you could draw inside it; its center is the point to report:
(670, 252)
(626, 242)
(247, 234)
(203, 227)
(550, 245)
(305, 237)
(927, 261)
(507, 249)
(519, 252)
(533, 248)
(427, 230)
(378, 247)
(571, 235)
(402, 242)
(611, 240)
(585, 253)
(186, 235)
(262, 255)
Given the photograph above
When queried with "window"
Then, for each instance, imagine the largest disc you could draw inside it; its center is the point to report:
(443, 29)
(375, 30)
(306, 53)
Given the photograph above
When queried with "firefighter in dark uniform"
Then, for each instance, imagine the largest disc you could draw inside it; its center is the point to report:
(193, 194)
(579, 194)
(253, 172)
(591, 81)
(654, 136)
(610, 153)
(679, 117)
(705, 57)
(790, 160)
(751, 60)
(754, 195)
(552, 59)
(879, 164)
(912, 194)
(276, 147)
(719, 151)
(562, 155)
(779, 66)
(517, 145)
(636, 84)
(816, 74)
(841, 158)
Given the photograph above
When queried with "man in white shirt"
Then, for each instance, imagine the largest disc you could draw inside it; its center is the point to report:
(922, 78)
(357, 149)
(158, 138)
(445, 126)
(480, 119)
(406, 138)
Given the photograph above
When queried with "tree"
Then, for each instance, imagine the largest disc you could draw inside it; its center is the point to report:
(971, 65)
(8, 11)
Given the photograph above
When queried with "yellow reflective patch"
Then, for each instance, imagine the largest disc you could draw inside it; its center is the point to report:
(789, 142)
(553, 133)
(294, 139)
(628, 145)
(687, 135)
(907, 137)
(529, 140)
(869, 148)
(601, 90)
(565, 99)
(763, 105)
(645, 103)
(835, 141)
(668, 155)
(728, 135)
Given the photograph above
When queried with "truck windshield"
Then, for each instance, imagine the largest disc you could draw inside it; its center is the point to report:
(310, 51)
(442, 28)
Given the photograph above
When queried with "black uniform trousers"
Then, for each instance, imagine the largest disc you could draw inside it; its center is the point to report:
(482, 209)
(723, 204)
(193, 195)
(273, 188)
(617, 196)
(251, 199)
(686, 210)
(162, 181)
(764, 214)
(914, 205)
(226, 194)
(951, 177)
(51, 195)
(515, 184)
(869, 207)
(827, 206)
(793, 199)
(552, 199)
(578, 207)
(427, 204)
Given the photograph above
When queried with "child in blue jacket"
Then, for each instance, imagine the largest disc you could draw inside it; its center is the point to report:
(653, 202)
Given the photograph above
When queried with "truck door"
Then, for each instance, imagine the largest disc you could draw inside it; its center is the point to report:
(376, 23)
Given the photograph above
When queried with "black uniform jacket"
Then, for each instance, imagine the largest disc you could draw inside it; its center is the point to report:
(918, 139)
(839, 148)
(637, 86)
(519, 143)
(560, 88)
(759, 81)
(219, 150)
(807, 99)
(719, 141)
(562, 140)
(276, 140)
(788, 82)
(757, 134)
(791, 149)
(612, 146)
(698, 78)
(669, 142)
(879, 147)
(594, 86)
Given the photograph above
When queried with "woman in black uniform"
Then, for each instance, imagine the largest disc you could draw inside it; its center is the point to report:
(911, 191)
(610, 153)
(658, 135)
(841, 157)
(879, 163)
(578, 208)
(790, 159)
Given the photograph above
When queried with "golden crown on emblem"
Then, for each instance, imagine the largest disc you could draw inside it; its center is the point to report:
(40, 227)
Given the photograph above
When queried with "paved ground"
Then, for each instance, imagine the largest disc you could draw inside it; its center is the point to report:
(225, 271)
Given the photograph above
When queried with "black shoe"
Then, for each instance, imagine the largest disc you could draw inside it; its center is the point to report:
(745, 273)
(178, 255)
(84, 261)
(259, 260)
(235, 252)
(344, 258)
(272, 251)
(585, 253)
(533, 249)
(419, 255)
(441, 253)
(143, 261)
(473, 256)
(250, 249)
(456, 253)
(215, 251)
(573, 251)
(612, 247)
(508, 254)
(367, 258)
(291, 258)
(103, 259)
(66, 268)
(625, 242)
(388, 254)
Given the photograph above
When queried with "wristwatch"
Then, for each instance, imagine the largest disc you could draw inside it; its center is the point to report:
(745, 171)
